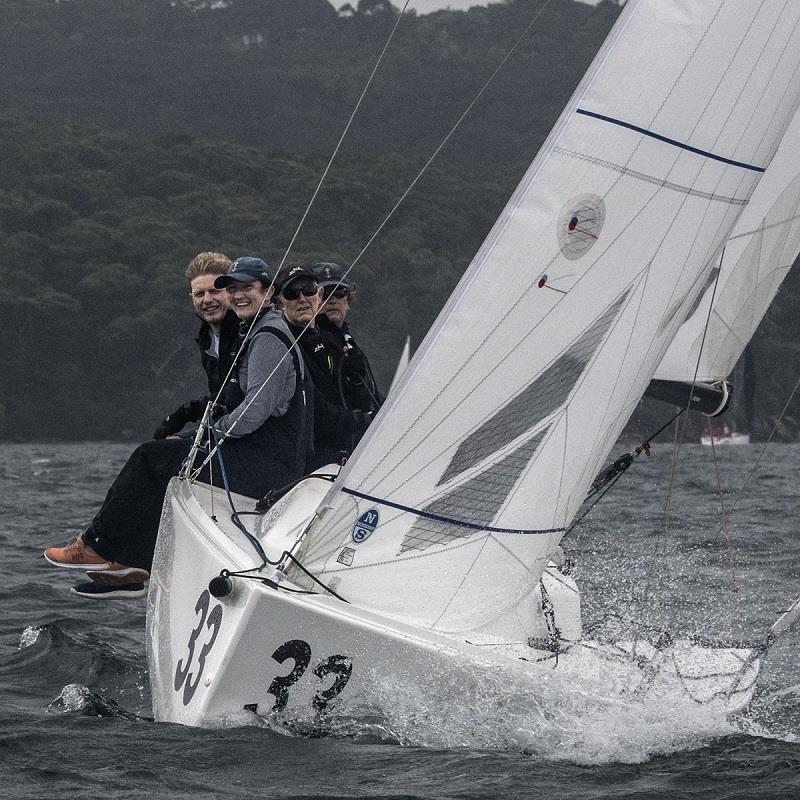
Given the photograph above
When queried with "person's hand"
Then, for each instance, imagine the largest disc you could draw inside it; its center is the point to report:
(172, 423)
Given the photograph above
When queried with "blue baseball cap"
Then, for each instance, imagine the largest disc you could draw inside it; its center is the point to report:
(246, 269)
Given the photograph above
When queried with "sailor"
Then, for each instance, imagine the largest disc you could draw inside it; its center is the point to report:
(265, 440)
(357, 383)
(337, 426)
(216, 339)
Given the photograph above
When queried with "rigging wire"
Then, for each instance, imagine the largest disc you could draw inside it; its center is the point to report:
(725, 518)
(606, 480)
(769, 439)
(393, 210)
(344, 132)
(677, 441)
(311, 201)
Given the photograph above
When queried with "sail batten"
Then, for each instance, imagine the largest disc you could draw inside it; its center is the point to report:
(529, 374)
(667, 140)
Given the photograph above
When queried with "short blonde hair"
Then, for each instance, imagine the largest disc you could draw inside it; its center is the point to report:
(208, 263)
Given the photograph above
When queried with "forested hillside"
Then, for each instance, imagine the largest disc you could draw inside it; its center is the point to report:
(135, 133)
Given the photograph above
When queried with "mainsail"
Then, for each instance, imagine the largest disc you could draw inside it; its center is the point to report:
(449, 509)
(761, 250)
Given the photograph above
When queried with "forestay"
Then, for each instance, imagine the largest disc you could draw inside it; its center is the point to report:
(463, 486)
(761, 250)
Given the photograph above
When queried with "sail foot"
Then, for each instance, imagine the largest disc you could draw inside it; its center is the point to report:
(710, 399)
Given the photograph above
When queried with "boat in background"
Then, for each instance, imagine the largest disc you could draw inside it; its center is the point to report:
(719, 435)
(430, 565)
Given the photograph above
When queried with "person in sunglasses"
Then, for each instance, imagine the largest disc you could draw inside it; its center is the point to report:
(337, 427)
(357, 383)
(265, 440)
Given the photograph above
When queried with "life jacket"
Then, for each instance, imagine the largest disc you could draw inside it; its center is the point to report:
(278, 452)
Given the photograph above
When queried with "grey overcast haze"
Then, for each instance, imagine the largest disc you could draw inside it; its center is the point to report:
(426, 6)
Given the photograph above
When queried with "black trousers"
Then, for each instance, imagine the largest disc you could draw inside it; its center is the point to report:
(126, 526)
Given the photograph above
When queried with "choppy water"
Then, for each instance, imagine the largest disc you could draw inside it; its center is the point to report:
(73, 675)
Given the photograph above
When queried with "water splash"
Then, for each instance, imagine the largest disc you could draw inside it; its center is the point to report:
(29, 637)
(75, 698)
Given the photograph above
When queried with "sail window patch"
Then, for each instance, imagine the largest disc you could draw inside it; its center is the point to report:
(477, 501)
(548, 391)
(579, 225)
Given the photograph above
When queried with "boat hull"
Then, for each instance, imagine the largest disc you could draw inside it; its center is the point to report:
(725, 440)
(266, 650)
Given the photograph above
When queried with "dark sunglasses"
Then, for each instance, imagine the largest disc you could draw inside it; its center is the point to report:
(294, 293)
(338, 292)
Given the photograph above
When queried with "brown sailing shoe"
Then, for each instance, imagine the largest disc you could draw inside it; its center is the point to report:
(78, 555)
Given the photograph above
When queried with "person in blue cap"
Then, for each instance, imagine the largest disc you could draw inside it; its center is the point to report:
(357, 382)
(265, 441)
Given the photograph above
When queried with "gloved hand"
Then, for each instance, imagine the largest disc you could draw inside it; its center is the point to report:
(189, 412)
(173, 422)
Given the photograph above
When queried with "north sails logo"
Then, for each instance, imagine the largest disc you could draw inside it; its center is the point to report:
(365, 526)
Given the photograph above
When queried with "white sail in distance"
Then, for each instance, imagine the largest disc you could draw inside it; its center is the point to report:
(760, 252)
(462, 487)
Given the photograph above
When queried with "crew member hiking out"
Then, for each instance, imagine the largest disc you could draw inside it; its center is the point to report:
(265, 439)
(217, 338)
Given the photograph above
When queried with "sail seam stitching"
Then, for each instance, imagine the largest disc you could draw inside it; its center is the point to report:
(643, 176)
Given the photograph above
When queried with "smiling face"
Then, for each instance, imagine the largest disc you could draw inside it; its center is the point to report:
(210, 304)
(247, 299)
(301, 301)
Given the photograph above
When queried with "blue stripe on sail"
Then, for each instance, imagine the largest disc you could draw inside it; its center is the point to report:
(673, 142)
(448, 520)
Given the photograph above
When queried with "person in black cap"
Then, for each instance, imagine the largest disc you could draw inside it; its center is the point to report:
(357, 383)
(337, 427)
(216, 339)
(264, 441)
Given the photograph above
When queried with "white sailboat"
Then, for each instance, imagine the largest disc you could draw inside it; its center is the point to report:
(430, 564)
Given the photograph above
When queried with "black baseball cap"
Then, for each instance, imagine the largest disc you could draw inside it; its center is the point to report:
(293, 272)
(330, 274)
(246, 269)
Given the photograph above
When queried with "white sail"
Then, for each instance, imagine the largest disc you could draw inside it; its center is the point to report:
(761, 250)
(464, 484)
(402, 363)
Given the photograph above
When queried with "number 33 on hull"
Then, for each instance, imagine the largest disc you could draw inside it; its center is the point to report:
(261, 649)
(269, 647)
